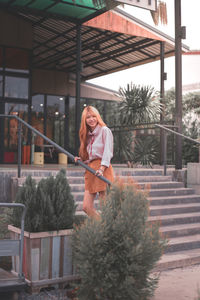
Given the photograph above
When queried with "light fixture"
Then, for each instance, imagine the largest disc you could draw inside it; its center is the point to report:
(84, 104)
(41, 104)
(61, 98)
(56, 113)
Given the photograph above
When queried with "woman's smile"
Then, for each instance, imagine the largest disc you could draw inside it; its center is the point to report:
(91, 121)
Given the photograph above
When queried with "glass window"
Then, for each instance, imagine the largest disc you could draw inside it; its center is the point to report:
(1, 85)
(71, 124)
(37, 119)
(99, 105)
(16, 60)
(16, 87)
(1, 59)
(10, 130)
(111, 116)
(55, 119)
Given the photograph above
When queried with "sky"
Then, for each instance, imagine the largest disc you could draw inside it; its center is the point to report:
(190, 64)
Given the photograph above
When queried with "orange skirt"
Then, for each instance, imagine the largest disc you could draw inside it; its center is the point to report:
(92, 183)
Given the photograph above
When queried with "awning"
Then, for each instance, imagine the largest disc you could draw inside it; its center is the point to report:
(110, 42)
(77, 11)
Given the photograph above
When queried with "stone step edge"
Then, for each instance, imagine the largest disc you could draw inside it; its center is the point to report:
(174, 216)
(178, 259)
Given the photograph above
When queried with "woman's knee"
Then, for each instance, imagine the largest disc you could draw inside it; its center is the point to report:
(88, 202)
(85, 207)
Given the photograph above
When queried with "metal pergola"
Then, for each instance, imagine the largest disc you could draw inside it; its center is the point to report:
(64, 41)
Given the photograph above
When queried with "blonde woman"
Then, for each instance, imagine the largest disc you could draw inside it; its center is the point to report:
(96, 150)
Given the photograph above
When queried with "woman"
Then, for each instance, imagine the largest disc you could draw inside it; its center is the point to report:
(96, 150)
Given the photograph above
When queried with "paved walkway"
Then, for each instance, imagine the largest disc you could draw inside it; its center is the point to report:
(179, 284)
(176, 284)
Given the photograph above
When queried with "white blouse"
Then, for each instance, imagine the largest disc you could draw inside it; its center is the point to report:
(100, 145)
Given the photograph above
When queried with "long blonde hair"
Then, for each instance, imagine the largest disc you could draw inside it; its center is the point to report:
(84, 128)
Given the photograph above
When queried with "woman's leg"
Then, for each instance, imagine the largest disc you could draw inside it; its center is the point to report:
(88, 205)
(102, 196)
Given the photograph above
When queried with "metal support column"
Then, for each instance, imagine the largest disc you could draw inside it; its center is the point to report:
(19, 132)
(66, 122)
(29, 137)
(162, 92)
(78, 88)
(178, 83)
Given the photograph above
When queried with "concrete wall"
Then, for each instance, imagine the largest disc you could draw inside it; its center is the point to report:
(5, 185)
(193, 176)
(49, 82)
(15, 31)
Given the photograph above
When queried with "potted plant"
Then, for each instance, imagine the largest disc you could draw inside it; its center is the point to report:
(48, 229)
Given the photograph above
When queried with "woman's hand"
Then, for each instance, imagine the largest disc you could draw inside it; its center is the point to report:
(100, 171)
(76, 158)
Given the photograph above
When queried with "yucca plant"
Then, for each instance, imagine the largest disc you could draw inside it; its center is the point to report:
(140, 104)
(146, 151)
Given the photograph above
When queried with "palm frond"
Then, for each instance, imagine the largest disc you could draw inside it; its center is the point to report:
(141, 104)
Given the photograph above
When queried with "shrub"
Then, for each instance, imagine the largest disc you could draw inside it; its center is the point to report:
(115, 256)
(50, 204)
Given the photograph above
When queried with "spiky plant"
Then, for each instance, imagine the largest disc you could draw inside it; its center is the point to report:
(146, 151)
(141, 104)
(50, 204)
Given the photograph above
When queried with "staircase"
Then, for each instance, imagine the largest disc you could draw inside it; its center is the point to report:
(177, 207)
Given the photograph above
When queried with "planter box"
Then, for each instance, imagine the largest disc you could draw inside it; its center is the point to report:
(47, 258)
(193, 176)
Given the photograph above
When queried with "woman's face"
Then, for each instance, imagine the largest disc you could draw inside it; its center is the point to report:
(91, 120)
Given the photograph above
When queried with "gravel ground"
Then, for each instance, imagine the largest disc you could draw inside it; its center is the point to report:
(176, 284)
(179, 284)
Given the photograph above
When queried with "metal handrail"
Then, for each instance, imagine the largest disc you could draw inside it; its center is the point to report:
(21, 250)
(71, 156)
(165, 128)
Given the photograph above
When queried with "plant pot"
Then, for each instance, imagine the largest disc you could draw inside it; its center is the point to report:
(47, 258)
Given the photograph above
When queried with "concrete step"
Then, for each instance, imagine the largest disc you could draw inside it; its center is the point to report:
(78, 192)
(183, 243)
(79, 208)
(140, 179)
(171, 192)
(180, 230)
(170, 189)
(161, 185)
(178, 259)
(138, 172)
(75, 180)
(146, 178)
(174, 209)
(176, 219)
(174, 199)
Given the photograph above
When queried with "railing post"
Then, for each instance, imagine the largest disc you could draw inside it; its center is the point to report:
(19, 148)
(165, 152)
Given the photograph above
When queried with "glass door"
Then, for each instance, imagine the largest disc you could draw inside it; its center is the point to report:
(10, 130)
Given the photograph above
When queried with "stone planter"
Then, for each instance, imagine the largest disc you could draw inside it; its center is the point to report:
(193, 176)
(47, 259)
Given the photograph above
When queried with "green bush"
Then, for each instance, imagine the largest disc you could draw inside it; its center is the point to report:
(115, 256)
(50, 204)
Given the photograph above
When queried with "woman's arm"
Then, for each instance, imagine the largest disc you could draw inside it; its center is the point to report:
(108, 147)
